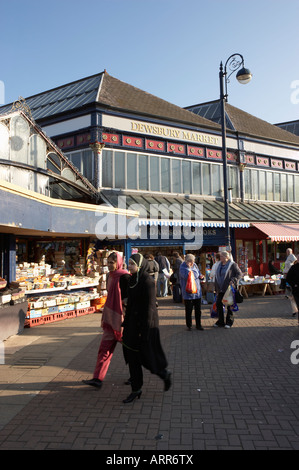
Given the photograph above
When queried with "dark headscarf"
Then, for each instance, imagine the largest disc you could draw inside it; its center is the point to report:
(143, 267)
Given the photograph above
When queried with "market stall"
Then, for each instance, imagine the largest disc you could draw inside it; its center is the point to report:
(259, 285)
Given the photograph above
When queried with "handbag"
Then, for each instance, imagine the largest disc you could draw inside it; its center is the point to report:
(191, 284)
(238, 297)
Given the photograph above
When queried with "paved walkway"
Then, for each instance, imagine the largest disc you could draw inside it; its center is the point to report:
(232, 389)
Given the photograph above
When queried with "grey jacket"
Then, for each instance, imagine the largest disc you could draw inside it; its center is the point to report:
(232, 276)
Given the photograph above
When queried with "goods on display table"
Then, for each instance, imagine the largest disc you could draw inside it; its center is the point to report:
(54, 296)
(260, 284)
(10, 294)
(50, 308)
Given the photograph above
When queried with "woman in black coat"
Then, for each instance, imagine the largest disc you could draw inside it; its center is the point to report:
(227, 273)
(141, 336)
(293, 279)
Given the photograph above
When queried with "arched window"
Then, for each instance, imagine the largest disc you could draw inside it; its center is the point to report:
(19, 133)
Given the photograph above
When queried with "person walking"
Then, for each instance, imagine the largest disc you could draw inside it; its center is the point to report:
(112, 318)
(227, 273)
(164, 267)
(191, 299)
(292, 279)
(141, 335)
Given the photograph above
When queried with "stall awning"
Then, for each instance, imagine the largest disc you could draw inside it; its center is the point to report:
(190, 223)
(279, 232)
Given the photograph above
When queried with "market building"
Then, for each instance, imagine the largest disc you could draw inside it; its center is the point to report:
(142, 153)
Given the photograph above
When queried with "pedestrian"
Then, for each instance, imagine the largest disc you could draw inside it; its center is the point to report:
(141, 335)
(292, 279)
(191, 299)
(291, 258)
(214, 267)
(153, 266)
(227, 273)
(162, 282)
(272, 269)
(176, 267)
(210, 261)
(112, 318)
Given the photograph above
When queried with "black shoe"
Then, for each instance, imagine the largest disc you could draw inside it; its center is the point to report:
(200, 328)
(189, 328)
(128, 382)
(94, 382)
(132, 397)
(167, 382)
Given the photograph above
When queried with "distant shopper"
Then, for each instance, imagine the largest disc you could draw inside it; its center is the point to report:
(112, 317)
(153, 266)
(162, 282)
(141, 335)
(291, 258)
(176, 266)
(214, 267)
(210, 261)
(292, 278)
(272, 269)
(227, 273)
(191, 299)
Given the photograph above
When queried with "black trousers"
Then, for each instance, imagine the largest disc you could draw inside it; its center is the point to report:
(296, 298)
(136, 372)
(229, 315)
(189, 304)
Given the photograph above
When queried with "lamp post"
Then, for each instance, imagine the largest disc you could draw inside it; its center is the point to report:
(233, 63)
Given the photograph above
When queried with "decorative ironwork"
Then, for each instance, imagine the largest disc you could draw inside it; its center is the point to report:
(21, 105)
(233, 63)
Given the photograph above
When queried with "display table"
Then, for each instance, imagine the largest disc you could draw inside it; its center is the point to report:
(262, 288)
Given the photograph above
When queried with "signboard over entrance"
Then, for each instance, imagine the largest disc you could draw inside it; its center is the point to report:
(157, 130)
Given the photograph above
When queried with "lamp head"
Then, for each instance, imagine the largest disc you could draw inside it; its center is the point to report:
(244, 76)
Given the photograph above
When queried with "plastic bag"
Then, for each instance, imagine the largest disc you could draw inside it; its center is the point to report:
(228, 298)
(213, 311)
(191, 284)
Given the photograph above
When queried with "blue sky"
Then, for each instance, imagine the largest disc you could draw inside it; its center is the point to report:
(170, 48)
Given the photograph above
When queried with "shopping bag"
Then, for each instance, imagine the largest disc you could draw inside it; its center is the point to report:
(191, 284)
(213, 311)
(228, 298)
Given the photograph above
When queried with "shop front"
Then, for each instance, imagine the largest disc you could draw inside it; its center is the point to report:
(264, 242)
(50, 266)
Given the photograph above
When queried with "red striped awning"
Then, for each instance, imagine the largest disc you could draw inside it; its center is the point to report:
(279, 232)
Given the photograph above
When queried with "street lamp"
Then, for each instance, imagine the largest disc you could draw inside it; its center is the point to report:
(233, 63)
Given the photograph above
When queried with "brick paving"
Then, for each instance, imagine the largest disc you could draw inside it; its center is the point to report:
(232, 389)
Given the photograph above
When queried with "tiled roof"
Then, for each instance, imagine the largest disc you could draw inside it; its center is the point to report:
(108, 92)
(242, 122)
